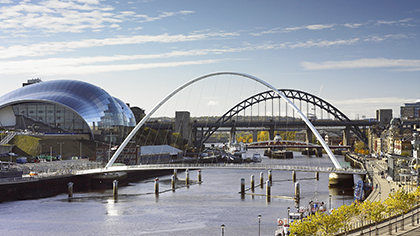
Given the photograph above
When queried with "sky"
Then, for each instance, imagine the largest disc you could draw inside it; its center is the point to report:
(358, 55)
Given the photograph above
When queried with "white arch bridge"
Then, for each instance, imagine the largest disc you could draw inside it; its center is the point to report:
(221, 166)
(271, 87)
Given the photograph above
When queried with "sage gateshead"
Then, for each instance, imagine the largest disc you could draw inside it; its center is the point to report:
(66, 107)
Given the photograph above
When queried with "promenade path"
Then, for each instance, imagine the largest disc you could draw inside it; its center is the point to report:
(382, 188)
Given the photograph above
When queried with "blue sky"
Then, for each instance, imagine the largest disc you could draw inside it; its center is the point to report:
(358, 55)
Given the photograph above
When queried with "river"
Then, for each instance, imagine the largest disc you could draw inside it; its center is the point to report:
(200, 209)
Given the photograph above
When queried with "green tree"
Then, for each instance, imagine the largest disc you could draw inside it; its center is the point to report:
(328, 224)
(345, 214)
(373, 211)
(304, 227)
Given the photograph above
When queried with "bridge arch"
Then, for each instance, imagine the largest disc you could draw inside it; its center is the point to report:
(290, 94)
(164, 100)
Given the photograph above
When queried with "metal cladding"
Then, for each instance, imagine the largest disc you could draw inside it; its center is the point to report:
(47, 101)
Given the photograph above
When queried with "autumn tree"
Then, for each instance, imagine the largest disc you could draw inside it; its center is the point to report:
(345, 214)
(304, 227)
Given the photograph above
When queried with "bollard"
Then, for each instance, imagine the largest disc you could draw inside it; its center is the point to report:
(173, 181)
(270, 177)
(70, 189)
(252, 183)
(268, 190)
(199, 176)
(175, 173)
(187, 177)
(115, 189)
(294, 176)
(317, 175)
(297, 191)
(261, 180)
(157, 186)
(243, 186)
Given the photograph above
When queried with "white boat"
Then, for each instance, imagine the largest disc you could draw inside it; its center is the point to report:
(256, 157)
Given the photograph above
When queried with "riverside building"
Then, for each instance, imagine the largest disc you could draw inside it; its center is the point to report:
(66, 107)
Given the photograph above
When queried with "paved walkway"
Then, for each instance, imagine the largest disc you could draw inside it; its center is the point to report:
(382, 188)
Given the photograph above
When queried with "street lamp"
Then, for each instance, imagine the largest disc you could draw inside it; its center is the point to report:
(259, 225)
(343, 196)
(223, 229)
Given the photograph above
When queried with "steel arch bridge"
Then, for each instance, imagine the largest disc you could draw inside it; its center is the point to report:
(291, 94)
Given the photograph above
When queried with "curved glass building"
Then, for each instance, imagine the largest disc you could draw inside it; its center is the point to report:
(66, 106)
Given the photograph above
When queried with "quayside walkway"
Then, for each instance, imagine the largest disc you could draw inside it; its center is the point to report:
(409, 226)
(221, 166)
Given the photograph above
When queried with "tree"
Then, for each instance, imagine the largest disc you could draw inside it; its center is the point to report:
(304, 227)
(328, 223)
(373, 211)
(399, 202)
(345, 214)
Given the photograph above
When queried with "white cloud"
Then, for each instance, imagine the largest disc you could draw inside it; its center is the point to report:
(395, 22)
(318, 27)
(213, 103)
(376, 38)
(146, 18)
(408, 65)
(38, 69)
(367, 106)
(353, 25)
(55, 16)
(323, 43)
(50, 48)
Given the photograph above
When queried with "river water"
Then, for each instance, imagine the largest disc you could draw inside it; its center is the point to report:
(196, 210)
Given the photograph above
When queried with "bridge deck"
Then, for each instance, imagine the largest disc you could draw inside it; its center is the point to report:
(221, 166)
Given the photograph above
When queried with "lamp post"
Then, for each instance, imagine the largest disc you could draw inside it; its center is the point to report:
(343, 197)
(223, 229)
(259, 225)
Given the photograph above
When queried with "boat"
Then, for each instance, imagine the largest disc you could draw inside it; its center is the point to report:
(256, 157)
(301, 213)
(278, 154)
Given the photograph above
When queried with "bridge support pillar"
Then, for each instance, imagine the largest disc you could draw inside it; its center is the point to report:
(346, 136)
(232, 135)
(309, 135)
(173, 183)
(156, 186)
(297, 191)
(115, 189)
(187, 177)
(70, 189)
(343, 180)
(254, 136)
(271, 132)
(242, 187)
(319, 152)
(294, 176)
(252, 183)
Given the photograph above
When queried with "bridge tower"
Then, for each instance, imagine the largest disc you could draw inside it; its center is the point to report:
(255, 136)
(346, 136)
(183, 125)
(232, 134)
(271, 132)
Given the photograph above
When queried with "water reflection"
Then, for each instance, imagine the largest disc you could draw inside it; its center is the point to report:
(197, 210)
